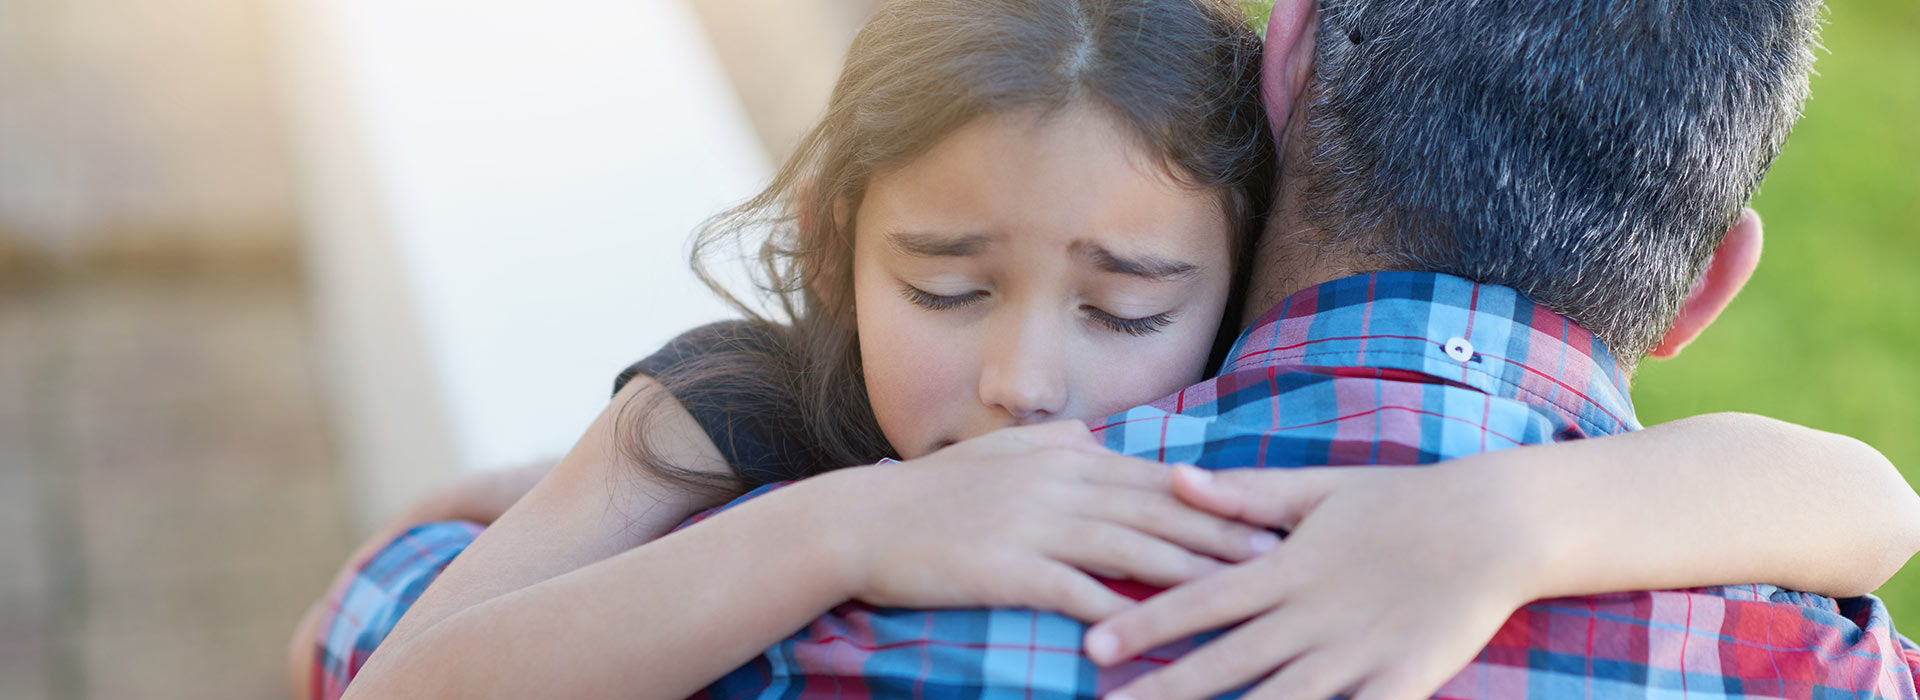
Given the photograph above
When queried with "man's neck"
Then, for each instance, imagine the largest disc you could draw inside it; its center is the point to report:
(1286, 262)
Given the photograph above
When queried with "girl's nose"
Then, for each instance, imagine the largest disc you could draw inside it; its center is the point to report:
(1024, 370)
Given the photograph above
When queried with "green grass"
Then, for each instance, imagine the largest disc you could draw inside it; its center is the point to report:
(1828, 332)
(1257, 12)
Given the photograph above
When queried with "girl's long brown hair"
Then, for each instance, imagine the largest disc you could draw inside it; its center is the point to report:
(1184, 74)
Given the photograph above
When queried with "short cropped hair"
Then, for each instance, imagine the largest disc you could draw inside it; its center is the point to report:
(1589, 153)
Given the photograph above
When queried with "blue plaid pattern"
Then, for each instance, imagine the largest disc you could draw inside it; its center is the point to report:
(1387, 368)
(364, 607)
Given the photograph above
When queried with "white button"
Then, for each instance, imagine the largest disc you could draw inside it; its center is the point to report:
(1459, 349)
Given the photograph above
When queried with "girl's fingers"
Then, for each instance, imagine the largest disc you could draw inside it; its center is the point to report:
(1094, 544)
(1104, 572)
(1395, 685)
(1235, 659)
(1051, 585)
(1070, 433)
(1276, 498)
(1165, 517)
(1112, 469)
(1318, 675)
(1210, 603)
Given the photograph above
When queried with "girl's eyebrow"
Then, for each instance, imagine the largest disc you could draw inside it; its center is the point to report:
(1147, 267)
(934, 245)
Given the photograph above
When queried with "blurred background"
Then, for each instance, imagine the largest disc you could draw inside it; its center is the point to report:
(270, 268)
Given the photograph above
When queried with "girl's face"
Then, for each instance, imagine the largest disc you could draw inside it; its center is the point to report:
(1028, 269)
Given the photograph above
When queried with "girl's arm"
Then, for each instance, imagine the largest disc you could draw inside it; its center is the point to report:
(1393, 579)
(594, 504)
(1008, 519)
(480, 498)
(655, 621)
(1718, 499)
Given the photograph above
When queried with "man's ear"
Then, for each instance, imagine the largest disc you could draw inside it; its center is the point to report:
(1732, 265)
(1286, 62)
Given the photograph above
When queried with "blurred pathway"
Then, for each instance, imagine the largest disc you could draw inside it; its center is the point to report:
(168, 503)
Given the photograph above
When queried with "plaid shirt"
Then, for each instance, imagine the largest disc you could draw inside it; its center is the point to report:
(363, 607)
(1388, 368)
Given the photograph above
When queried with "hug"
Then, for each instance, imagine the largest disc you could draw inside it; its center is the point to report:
(1101, 336)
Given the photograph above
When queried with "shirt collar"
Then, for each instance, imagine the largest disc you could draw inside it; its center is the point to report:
(1450, 329)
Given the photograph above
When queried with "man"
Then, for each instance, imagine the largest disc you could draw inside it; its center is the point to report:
(1587, 164)
(1580, 162)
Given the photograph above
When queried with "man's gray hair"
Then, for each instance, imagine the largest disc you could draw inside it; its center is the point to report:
(1589, 153)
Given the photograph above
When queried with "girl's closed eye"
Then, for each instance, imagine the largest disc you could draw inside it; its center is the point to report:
(939, 302)
(1142, 326)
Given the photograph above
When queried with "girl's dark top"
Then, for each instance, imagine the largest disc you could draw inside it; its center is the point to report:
(755, 429)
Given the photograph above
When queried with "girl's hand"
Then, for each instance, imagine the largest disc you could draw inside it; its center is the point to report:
(1392, 580)
(1019, 518)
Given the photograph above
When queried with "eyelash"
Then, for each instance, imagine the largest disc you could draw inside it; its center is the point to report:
(1143, 326)
(936, 302)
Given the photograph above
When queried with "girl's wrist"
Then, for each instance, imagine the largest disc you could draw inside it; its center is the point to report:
(819, 505)
(1509, 525)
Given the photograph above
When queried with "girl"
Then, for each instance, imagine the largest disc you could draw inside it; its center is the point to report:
(1015, 212)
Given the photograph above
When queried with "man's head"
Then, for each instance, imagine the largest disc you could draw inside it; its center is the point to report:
(1592, 154)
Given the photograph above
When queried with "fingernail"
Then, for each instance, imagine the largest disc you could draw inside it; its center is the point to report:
(1102, 645)
(1196, 474)
(1264, 541)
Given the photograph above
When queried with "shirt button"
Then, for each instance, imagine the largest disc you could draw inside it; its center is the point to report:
(1459, 349)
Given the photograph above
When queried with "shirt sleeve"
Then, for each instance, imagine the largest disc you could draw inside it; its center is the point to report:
(1910, 653)
(752, 422)
(362, 608)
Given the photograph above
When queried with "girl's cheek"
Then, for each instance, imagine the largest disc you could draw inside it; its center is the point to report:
(1121, 375)
(927, 361)
(914, 371)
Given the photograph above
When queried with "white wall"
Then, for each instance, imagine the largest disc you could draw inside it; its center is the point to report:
(498, 198)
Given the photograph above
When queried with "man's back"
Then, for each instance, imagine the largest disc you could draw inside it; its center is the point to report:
(1389, 368)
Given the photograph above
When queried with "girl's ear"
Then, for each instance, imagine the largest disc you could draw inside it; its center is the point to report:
(803, 207)
(836, 279)
(828, 247)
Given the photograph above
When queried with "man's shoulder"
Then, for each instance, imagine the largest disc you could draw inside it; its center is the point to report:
(1311, 416)
(1409, 330)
